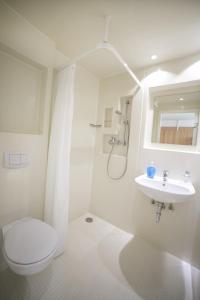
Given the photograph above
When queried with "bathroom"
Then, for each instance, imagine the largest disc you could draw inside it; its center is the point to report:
(113, 246)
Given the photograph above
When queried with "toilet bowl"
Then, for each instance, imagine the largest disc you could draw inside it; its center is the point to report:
(29, 245)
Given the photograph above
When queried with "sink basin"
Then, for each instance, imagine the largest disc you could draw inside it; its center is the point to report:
(173, 191)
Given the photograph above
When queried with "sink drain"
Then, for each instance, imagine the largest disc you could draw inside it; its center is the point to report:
(89, 220)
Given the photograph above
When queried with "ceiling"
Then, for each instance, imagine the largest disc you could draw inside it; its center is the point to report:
(138, 28)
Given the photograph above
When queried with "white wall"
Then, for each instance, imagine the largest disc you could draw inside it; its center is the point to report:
(22, 190)
(21, 94)
(119, 201)
(83, 141)
(111, 199)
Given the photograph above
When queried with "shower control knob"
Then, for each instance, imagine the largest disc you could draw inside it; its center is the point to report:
(112, 141)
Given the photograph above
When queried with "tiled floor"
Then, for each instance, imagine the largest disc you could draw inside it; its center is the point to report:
(105, 263)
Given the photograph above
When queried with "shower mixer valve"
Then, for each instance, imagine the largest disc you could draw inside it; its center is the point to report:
(114, 141)
(121, 139)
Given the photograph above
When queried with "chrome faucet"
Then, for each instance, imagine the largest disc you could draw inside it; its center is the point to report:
(186, 176)
(165, 175)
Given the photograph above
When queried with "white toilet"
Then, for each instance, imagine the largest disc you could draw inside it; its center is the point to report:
(29, 245)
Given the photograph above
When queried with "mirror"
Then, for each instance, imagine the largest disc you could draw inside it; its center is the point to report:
(176, 116)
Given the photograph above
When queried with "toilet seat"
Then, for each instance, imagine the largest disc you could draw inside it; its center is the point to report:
(29, 245)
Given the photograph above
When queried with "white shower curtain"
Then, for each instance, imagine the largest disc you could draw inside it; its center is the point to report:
(57, 184)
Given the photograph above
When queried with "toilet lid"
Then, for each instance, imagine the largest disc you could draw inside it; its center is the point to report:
(29, 241)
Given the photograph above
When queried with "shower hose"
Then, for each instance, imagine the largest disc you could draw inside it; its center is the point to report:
(126, 157)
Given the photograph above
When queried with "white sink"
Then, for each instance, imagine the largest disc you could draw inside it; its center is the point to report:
(172, 191)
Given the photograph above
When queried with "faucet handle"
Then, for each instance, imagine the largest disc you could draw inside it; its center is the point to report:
(112, 140)
(165, 172)
(187, 174)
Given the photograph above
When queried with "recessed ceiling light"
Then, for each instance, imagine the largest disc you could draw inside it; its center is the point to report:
(180, 99)
(154, 57)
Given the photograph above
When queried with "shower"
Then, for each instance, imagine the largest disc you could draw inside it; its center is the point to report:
(57, 199)
(124, 141)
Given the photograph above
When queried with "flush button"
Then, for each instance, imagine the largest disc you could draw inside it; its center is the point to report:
(16, 160)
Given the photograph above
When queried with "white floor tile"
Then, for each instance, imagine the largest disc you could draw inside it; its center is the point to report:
(103, 262)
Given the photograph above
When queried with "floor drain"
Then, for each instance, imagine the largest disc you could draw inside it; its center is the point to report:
(89, 220)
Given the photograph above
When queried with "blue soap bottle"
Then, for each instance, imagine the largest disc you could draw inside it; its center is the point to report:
(151, 170)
